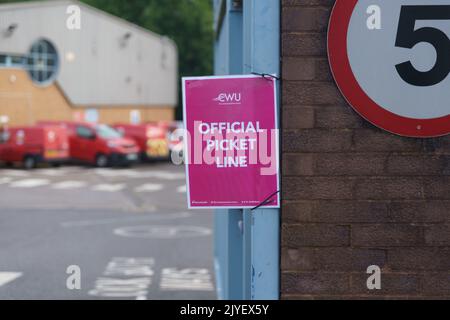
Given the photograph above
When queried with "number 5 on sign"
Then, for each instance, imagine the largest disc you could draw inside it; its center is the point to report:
(408, 37)
(391, 61)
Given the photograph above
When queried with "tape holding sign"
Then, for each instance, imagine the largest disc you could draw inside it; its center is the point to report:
(390, 59)
(231, 141)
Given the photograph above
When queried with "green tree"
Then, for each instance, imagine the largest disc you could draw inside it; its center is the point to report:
(188, 22)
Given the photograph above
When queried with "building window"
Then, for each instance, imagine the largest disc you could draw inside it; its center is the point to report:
(17, 61)
(2, 60)
(42, 62)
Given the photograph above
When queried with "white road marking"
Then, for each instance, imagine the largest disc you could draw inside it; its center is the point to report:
(30, 183)
(164, 175)
(125, 278)
(149, 187)
(14, 173)
(7, 277)
(153, 217)
(52, 172)
(162, 232)
(181, 189)
(5, 180)
(193, 279)
(115, 173)
(66, 185)
(109, 187)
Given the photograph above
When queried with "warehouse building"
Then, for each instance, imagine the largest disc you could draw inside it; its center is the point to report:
(64, 60)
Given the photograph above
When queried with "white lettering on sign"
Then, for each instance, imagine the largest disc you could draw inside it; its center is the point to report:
(235, 127)
(241, 136)
(228, 98)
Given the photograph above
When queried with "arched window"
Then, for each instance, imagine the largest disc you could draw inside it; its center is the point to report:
(43, 62)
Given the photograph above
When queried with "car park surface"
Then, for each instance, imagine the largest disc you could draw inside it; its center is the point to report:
(127, 230)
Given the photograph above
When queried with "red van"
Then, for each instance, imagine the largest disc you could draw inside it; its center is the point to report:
(151, 139)
(33, 145)
(99, 144)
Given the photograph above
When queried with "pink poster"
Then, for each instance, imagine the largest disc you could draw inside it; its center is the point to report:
(231, 142)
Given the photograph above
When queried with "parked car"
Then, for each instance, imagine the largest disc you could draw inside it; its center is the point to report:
(99, 144)
(33, 145)
(151, 139)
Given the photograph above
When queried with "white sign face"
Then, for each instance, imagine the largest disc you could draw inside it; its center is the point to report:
(391, 60)
(373, 64)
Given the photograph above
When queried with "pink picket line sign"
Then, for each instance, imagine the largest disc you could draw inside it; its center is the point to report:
(231, 142)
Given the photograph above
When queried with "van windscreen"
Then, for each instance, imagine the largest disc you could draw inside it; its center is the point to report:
(106, 132)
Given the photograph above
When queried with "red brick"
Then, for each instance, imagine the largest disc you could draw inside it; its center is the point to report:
(391, 284)
(381, 188)
(305, 19)
(375, 140)
(344, 177)
(438, 145)
(315, 283)
(294, 44)
(299, 69)
(298, 118)
(307, 93)
(297, 259)
(327, 3)
(306, 68)
(317, 141)
(317, 188)
(315, 235)
(298, 164)
(330, 259)
(437, 284)
(386, 235)
(347, 259)
(336, 212)
(351, 164)
(335, 164)
(438, 235)
(417, 259)
(417, 164)
(437, 188)
(424, 211)
(338, 117)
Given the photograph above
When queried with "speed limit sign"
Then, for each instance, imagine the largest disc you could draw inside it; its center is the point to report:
(391, 61)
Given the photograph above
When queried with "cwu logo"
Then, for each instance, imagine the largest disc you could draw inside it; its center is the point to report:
(229, 98)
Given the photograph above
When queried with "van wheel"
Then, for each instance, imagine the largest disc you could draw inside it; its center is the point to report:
(29, 162)
(101, 161)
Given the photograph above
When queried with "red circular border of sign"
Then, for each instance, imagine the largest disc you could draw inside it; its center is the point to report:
(355, 95)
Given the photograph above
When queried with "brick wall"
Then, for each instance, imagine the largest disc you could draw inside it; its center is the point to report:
(25, 103)
(353, 195)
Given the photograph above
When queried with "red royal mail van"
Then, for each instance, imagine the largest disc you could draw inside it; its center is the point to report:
(33, 145)
(151, 139)
(99, 144)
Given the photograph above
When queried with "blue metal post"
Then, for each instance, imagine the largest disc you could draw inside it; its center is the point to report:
(247, 242)
(262, 55)
(228, 223)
